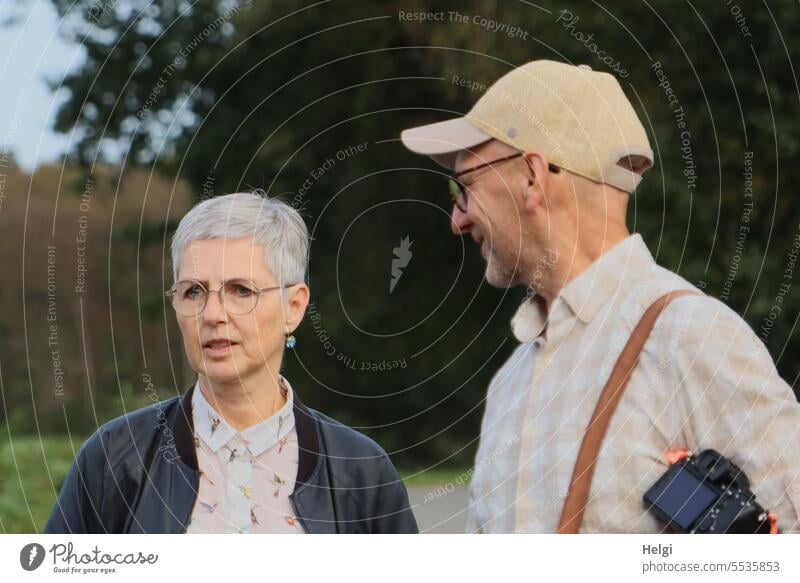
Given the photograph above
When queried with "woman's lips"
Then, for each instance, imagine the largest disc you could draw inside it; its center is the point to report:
(219, 347)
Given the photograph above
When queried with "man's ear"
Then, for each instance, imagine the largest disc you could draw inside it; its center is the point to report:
(538, 176)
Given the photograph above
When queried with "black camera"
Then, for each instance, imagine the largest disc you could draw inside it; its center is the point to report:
(706, 493)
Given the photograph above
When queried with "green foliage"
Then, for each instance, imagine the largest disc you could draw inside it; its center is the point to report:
(32, 470)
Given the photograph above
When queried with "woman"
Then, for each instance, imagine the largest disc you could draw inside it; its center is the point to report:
(238, 452)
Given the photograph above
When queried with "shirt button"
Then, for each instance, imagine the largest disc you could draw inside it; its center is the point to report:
(240, 471)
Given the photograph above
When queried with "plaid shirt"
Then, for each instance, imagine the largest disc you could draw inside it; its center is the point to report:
(704, 380)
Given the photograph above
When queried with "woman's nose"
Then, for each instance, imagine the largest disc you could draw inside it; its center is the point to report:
(215, 309)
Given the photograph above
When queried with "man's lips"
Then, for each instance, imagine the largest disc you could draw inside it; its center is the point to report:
(479, 240)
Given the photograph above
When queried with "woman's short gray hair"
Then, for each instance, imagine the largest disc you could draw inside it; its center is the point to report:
(270, 221)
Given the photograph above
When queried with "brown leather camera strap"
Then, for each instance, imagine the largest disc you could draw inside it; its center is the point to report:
(581, 482)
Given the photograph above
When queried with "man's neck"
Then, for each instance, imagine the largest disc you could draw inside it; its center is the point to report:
(574, 259)
(247, 402)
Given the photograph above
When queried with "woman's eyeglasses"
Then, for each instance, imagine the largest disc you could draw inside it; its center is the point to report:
(239, 296)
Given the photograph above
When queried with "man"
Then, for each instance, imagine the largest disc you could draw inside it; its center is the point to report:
(544, 166)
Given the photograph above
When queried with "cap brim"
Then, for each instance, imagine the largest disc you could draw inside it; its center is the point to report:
(443, 140)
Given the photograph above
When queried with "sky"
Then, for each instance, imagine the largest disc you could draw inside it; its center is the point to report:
(31, 54)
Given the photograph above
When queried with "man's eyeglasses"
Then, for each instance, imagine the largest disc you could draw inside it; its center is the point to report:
(238, 296)
(458, 190)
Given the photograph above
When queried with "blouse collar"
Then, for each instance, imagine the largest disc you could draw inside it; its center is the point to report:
(212, 428)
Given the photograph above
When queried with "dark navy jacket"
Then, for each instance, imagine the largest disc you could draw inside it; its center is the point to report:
(138, 474)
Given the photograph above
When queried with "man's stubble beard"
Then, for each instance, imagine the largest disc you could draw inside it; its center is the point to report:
(504, 270)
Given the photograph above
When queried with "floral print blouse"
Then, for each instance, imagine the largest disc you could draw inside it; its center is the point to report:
(245, 477)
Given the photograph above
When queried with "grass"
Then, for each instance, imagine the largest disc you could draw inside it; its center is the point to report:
(32, 470)
(435, 477)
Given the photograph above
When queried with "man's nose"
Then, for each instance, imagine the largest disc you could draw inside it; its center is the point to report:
(459, 221)
(215, 309)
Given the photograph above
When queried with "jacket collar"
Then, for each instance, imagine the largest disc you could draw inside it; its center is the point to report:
(583, 297)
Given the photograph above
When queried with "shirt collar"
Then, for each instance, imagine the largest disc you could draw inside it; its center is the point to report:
(212, 428)
(587, 293)
(530, 320)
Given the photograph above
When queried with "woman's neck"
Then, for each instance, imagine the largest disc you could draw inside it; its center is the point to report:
(246, 402)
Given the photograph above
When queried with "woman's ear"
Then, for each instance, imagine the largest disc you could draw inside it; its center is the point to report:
(295, 304)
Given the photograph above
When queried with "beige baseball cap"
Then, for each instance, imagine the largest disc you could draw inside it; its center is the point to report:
(579, 118)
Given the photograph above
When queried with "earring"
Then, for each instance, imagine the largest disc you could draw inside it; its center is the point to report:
(291, 341)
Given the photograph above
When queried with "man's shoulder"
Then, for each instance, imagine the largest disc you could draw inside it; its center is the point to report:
(701, 320)
(696, 310)
(654, 284)
(700, 310)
